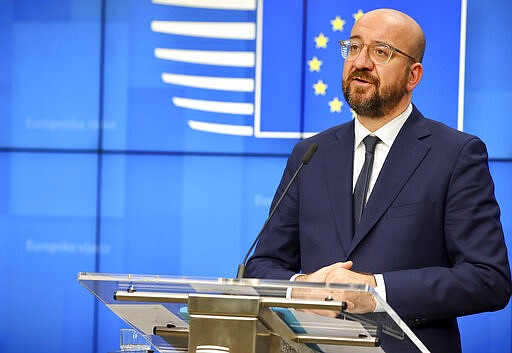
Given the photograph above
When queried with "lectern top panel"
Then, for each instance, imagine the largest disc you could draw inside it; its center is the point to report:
(103, 285)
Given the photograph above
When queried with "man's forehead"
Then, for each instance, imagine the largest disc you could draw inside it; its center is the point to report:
(376, 32)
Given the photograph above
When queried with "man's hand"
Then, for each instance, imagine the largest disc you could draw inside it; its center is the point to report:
(357, 302)
(323, 274)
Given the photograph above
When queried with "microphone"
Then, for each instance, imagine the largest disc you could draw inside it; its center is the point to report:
(305, 160)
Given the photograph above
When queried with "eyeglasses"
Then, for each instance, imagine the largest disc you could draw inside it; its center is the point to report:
(379, 53)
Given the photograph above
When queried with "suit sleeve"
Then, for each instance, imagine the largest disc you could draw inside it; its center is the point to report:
(479, 277)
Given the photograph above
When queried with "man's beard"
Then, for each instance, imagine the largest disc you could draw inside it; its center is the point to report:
(380, 103)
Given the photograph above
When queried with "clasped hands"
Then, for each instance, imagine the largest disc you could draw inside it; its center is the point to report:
(340, 272)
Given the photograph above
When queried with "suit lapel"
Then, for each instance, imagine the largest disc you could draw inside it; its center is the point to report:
(338, 165)
(403, 158)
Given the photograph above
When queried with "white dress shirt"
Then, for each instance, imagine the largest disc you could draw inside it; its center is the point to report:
(387, 135)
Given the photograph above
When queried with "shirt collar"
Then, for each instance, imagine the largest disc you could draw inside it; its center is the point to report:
(386, 133)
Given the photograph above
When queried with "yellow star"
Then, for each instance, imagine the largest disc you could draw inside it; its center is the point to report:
(335, 105)
(321, 41)
(337, 24)
(320, 88)
(358, 14)
(315, 64)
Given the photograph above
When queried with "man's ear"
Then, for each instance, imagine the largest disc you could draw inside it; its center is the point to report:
(415, 75)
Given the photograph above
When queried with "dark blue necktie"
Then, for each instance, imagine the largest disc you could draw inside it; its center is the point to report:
(363, 180)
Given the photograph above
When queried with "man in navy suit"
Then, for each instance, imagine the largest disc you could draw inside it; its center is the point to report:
(429, 239)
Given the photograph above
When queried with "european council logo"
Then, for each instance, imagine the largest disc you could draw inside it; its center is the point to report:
(240, 68)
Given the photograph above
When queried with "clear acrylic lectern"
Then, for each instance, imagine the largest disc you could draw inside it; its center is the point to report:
(205, 315)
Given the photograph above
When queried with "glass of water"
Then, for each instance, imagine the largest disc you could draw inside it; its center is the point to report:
(132, 341)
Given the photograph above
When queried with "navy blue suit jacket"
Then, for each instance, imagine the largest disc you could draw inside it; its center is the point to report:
(431, 226)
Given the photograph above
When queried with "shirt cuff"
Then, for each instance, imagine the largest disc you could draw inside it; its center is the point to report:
(381, 291)
(289, 289)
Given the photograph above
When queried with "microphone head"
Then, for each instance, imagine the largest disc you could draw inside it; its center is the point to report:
(309, 153)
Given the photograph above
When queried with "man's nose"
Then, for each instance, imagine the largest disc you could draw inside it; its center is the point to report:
(363, 61)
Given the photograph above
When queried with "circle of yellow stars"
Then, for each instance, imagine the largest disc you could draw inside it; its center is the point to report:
(315, 64)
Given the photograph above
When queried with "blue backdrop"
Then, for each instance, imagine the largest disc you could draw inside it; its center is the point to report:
(131, 142)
